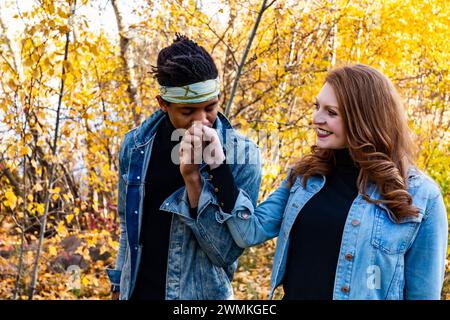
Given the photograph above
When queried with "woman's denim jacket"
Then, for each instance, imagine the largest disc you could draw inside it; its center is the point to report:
(379, 258)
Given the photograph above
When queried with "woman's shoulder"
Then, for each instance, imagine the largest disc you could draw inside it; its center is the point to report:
(419, 181)
(424, 191)
(313, 183)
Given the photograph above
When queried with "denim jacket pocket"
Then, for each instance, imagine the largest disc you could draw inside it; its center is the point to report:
(391, 237)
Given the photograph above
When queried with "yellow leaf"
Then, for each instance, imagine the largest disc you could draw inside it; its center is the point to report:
(69, 218)
(24, 150)
(11, 199)
(61, 229)
(67, 65)
(13, 84)
(62, 14)
(36, 73)
(85, 281)
(40, 208)
(52, 250)
(92, 242)
(11, 152)
(55, 190)
(64, 29)
(28, 62)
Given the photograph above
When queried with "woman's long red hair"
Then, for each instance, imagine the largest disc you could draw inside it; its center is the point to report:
(378, 136)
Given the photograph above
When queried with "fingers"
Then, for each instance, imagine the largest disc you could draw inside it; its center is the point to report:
(185, 153)
(201, 143)
(196, 129)
(210, 134)
(191, 149)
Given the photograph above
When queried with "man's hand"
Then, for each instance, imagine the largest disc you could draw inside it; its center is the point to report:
(200, 143)
(191, 149)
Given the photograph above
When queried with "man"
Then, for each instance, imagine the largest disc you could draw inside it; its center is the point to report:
(174, 243)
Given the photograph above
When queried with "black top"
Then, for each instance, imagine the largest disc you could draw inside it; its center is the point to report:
(315, 238)
(163, 178)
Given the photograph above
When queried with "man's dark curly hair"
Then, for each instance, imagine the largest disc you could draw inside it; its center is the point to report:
(184, 62)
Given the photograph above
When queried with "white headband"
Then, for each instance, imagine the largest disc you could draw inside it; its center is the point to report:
(192, 93)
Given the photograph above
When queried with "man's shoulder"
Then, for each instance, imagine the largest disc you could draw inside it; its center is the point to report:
(129, 137)
(242, 153)
(239, 138)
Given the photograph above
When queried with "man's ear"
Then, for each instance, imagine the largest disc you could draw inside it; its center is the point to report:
(162, 104)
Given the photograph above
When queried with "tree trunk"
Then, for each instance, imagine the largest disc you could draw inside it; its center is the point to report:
(127, 64)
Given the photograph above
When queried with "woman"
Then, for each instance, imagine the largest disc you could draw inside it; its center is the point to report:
(355, 218)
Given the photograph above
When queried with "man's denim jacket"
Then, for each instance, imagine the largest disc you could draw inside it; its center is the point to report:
(202, 255)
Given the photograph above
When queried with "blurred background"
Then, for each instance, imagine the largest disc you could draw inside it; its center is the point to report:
(74, 78)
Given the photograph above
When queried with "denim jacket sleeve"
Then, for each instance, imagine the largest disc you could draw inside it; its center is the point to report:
(250, 226)
(425, 260)
(114, 274)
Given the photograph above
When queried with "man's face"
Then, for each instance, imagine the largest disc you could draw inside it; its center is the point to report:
(183, 115)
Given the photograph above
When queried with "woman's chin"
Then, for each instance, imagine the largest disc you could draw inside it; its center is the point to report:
(322, 144)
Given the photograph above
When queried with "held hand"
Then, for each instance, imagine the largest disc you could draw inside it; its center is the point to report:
(213, 154)
(200, 143)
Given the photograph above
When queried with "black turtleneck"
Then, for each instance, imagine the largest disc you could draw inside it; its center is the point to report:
(315, 238)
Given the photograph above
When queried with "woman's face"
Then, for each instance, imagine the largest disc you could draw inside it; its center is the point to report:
(328, 120)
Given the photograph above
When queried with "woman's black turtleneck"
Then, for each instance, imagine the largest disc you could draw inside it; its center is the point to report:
(315, 238)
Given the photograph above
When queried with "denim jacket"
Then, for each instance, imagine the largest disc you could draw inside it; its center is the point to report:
(378, 259)
(202, 255)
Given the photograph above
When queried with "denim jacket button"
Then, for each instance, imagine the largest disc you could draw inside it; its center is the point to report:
(142, 151)
(136, 212)
(348, 256)
(355, 222)
(138, 177)
(345, 289)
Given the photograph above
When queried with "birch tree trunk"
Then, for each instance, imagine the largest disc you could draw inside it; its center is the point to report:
(127, 61)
